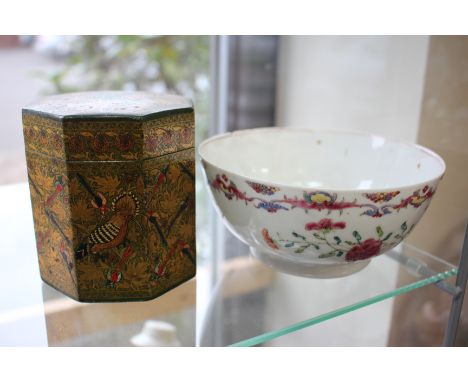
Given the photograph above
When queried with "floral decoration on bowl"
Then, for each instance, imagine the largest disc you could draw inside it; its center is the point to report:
(322, 209)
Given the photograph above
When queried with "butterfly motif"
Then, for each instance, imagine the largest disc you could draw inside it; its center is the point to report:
(380, 197)
(263, 189)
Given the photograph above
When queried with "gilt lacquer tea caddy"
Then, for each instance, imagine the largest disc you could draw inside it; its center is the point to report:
(111, 177)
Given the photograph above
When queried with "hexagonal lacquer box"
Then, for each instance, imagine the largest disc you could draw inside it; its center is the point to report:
(112, 185)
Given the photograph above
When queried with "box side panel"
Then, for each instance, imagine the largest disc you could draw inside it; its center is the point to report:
(49, 191)
(107, 215)
(170, 216)
(48, 183)
(168, 134)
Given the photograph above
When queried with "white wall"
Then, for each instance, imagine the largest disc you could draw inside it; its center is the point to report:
(364, 83)
(371, 84)
(20, 85)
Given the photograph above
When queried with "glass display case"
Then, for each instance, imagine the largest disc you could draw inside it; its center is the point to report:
(249, 304)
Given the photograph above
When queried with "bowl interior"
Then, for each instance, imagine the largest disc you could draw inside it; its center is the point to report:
(319, 159)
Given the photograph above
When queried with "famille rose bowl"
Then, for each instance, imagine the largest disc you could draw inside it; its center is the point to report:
(319, 203)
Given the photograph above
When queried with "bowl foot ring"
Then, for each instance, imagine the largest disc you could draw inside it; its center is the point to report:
(307, 269)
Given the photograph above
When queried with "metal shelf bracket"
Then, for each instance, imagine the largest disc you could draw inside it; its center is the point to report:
(457, 300)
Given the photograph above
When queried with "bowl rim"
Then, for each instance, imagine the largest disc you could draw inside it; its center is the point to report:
(425, 150)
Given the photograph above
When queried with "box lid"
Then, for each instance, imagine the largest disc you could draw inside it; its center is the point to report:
(109, 104)
(109, 125)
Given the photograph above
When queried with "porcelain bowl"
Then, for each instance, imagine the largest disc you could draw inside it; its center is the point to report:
(319, 203)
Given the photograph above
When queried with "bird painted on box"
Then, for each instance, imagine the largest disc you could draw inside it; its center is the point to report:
(185, 251)
(112, 233)
(59, 185)
(160, 270)
(98, 200)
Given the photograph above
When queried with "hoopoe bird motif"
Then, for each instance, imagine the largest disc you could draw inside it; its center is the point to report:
(112, 233)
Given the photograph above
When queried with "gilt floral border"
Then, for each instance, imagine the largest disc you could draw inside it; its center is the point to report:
(379, 204)
(108, 140)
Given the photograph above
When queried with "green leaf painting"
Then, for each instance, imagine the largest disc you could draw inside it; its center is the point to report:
(379, 231)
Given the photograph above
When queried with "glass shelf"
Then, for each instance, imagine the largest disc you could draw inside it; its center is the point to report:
(253, 304)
